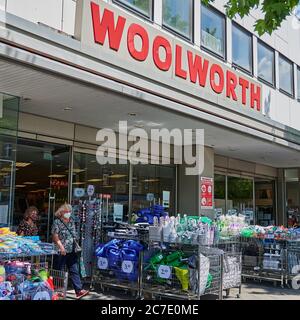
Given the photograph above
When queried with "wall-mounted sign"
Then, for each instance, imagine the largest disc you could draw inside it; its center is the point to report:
(150, 197)
(166, 199)
(90, 190)
(59, 183)
(206, 193)
(117, 37)
(79, 192)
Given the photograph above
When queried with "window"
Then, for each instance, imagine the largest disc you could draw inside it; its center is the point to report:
(154, 184)
(298, 81)
(240, 198)
(213, 31)
(142, 6)
(110, 179)
(178, 16)
(266, 63)
(285, 75)
(242, 48)
(220, 194)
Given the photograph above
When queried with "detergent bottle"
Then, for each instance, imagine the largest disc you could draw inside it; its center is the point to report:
(2, 274)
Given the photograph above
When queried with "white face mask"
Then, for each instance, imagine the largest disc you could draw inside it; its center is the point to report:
(67, 215)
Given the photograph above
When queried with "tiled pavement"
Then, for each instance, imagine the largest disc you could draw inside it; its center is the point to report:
(250, 291)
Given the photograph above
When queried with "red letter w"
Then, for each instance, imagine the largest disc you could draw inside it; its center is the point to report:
(107, 25)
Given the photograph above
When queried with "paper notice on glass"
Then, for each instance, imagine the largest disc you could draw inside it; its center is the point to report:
(4, 214)
(166, 199)
(1, 105)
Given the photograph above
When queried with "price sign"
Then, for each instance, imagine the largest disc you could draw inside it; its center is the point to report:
(127, 266)
(42, 295)
(102, 263)
(164, 272)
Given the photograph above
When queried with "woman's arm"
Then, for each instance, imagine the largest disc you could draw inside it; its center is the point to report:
(57, 241)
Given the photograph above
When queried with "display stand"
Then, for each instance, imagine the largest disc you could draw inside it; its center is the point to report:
(264, 259)
(232, 264)
(119, 260)
(18, 266)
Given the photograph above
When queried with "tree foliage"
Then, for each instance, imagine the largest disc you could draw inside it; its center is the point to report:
(274, 12)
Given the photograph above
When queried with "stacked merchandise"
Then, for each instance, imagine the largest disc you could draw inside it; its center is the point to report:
(149, 215)
(13, 245)
(119, 259)
(186, 230)
(230, 226)
(182, 271)
(271, 232)
(178, 270)
(22, 281)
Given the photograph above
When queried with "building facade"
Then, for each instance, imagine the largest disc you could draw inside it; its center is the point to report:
(70, 68)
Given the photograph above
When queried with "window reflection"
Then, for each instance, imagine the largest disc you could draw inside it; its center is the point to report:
(285, 75)
(242, 48)
(143, 6)
(178, 15)
(213, 30)
(240, 197)
(266, 58)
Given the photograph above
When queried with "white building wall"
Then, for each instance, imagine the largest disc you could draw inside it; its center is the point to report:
(60, 14)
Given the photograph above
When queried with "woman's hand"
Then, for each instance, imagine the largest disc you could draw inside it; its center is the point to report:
(62, 251)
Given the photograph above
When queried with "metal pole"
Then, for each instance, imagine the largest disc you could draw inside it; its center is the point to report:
(130, 193)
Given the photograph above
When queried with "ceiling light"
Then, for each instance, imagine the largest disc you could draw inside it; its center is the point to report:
(108, 186)
(78, 183)
(68, 109)
(77, 170)
(4, 190)
(39, 190)
(22, 164)
(132, 114)
(20, 186)
(117, 176)
(95, 180)
(93, 161)
(57, 176)
(151, 180)
(6, 169)
(30, 183)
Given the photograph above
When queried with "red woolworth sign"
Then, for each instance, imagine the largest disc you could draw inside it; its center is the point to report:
(114, 29)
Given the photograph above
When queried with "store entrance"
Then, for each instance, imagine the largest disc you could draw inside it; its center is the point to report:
(42, 171)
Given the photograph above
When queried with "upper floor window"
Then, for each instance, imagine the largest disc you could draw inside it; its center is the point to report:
(178, 16)
(242, 48)
(266, 63)
(213, 30)
(286, 75)
(298, 82)
(142, 6)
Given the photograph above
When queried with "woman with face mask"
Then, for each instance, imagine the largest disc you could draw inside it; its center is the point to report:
(65, 237)
(28, 226)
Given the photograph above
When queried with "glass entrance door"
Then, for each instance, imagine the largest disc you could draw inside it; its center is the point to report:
(42, 172)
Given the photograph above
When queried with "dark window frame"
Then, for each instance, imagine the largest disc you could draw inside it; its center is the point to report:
(136, 11)
(273, 85)
(237, 66)
(177, 33)
(222, 15)
(291, 95)
(298, 83)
